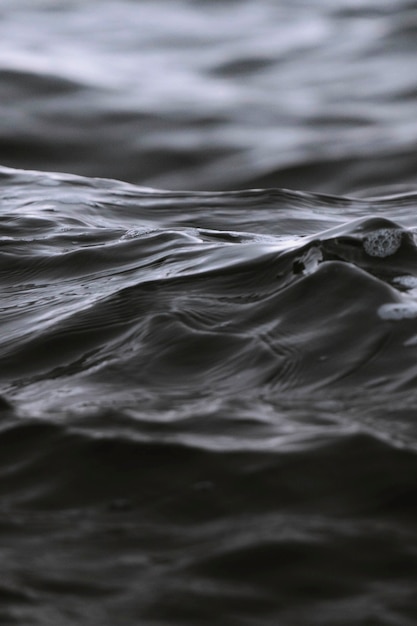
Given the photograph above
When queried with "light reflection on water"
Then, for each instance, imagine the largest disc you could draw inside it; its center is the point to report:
(208, 95)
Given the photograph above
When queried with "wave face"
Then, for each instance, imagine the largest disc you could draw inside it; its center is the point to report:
(208, 405)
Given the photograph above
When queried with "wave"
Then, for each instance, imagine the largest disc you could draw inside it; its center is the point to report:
(119, 296)
(212, 393)
(139, 286)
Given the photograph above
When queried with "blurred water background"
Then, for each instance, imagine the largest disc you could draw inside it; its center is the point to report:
(311, 94)
(208, 312)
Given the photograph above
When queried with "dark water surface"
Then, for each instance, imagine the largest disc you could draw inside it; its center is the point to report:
(210, 411)
(208, 397)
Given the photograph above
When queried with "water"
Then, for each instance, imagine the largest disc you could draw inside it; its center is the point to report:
(207, 397)
(316, 95)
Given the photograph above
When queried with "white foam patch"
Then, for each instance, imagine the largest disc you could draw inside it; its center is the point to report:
(133, 233)
(406, 281)
(398, 311)
(383, 242)
(311, 260)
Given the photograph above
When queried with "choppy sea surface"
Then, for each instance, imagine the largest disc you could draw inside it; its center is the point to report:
(208, 371)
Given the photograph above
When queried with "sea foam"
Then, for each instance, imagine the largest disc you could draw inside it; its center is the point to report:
(383, 242)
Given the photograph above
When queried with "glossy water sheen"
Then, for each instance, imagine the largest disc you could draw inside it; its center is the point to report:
(209, 405)
(208, 397)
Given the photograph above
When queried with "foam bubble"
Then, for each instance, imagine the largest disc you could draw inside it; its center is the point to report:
(398, 311)
(383, 242)
(406, 281)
